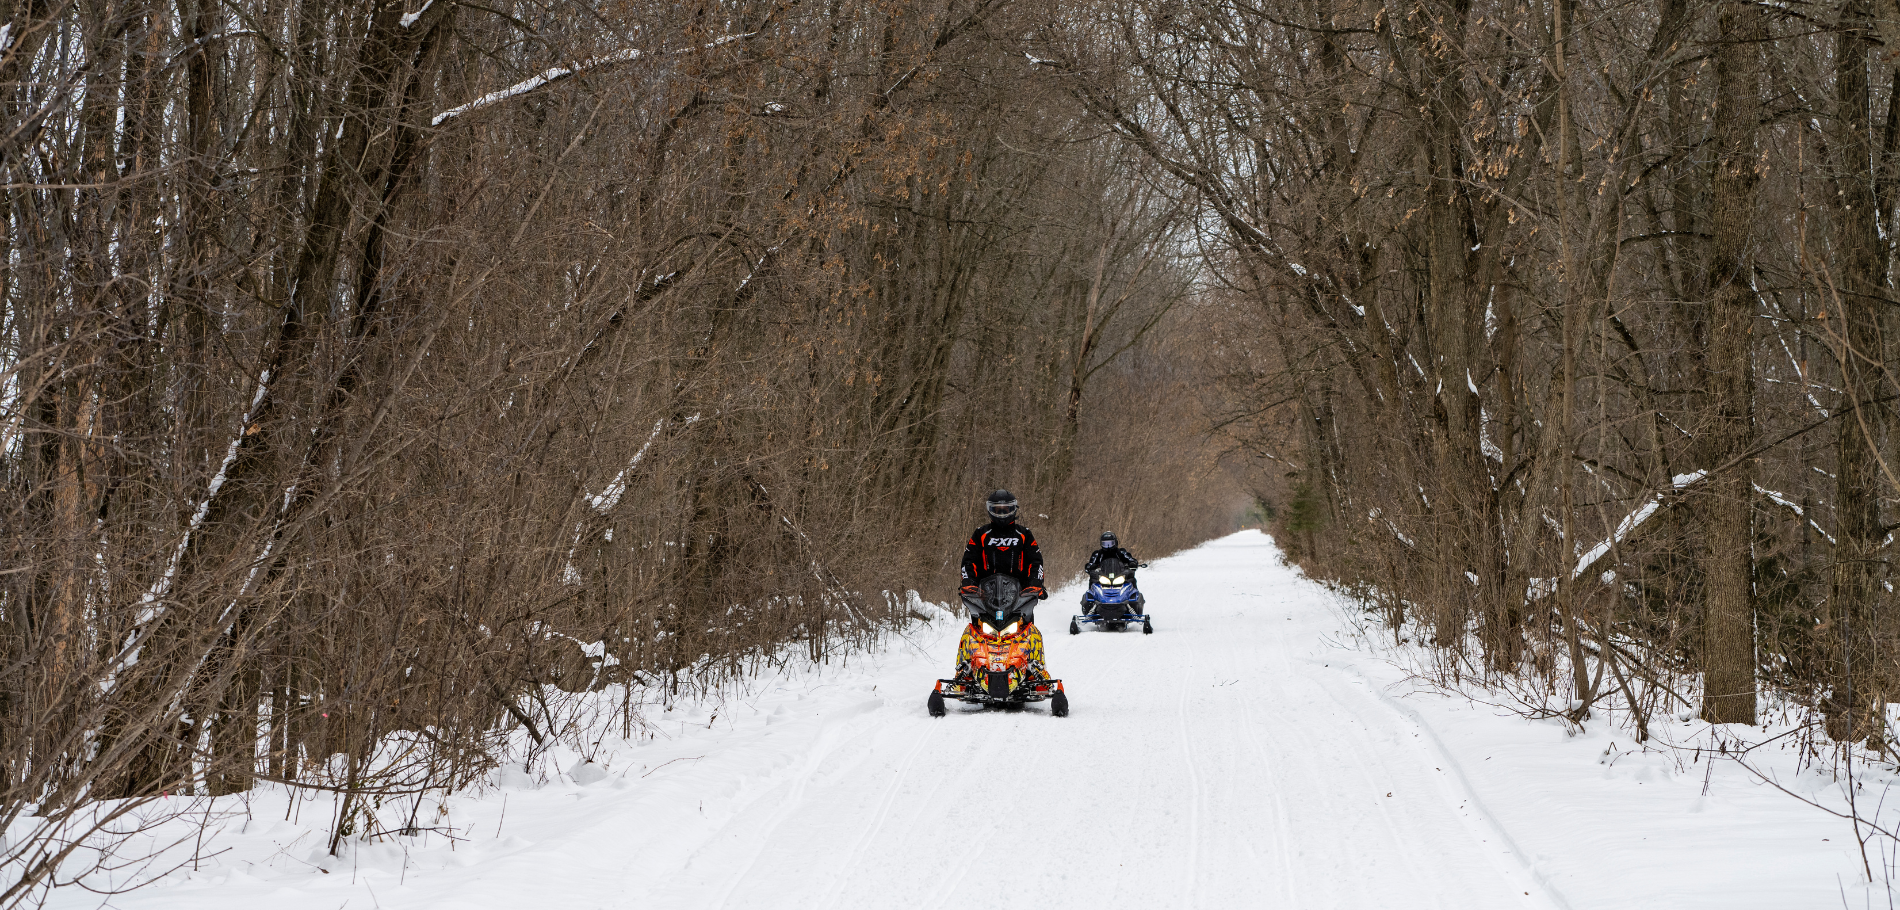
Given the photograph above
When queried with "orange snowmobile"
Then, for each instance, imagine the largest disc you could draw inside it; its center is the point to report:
(1000, 659)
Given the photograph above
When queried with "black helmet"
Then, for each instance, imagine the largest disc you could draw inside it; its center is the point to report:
(1002, 505)
(1108, 540)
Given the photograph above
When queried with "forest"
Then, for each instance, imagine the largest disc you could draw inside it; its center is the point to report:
(380, 380)
(383, 380)
(1558, 331)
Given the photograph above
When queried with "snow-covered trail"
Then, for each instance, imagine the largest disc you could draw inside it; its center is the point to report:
(1221, 762)
(1216, 763)
(1238, 757)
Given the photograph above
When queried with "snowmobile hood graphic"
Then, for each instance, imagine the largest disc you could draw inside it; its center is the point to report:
(1004, 653)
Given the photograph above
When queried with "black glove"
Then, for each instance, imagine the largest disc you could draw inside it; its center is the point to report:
(1038, 591)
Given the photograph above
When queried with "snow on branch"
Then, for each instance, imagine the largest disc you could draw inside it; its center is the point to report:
(605, 500)
(608, 498)
(555, 73)
(148, 604)
(1632, 521)
(149, 601)
(1782, 500)
(1376, 515)
(1587, 563)
(410, 19)
(1779, 499)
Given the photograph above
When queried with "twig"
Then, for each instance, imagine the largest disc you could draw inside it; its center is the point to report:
(665, 763)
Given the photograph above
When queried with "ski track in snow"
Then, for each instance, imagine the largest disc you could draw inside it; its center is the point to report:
(1233, 759)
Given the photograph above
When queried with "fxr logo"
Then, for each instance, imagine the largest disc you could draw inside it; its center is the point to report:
(1004, 541)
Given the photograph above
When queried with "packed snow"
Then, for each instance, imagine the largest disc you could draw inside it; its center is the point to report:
(1261, 749)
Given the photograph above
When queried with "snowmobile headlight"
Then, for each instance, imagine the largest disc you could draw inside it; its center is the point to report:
(989, 629)
(1113, 581)
(1010, 629)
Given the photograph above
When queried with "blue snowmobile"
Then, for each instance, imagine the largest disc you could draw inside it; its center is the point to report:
(1113, 602)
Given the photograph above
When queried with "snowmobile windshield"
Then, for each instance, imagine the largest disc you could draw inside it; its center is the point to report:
(999, 602)
(1113, 567)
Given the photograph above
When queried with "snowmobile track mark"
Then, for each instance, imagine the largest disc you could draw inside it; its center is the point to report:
(952, 885)
(1194, 793)
(834, 729)
(1265, 759)
(876, 822)
(1455, 785)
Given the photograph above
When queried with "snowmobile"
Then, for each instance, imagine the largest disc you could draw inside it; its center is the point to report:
(1113, 602)
(1000, 671)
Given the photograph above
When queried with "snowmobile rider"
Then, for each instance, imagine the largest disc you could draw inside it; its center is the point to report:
(1111, 549)
(1004, 547)
(1007, 548)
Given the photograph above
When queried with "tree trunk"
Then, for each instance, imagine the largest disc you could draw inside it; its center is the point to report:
(1853, 706)
(1728, 618)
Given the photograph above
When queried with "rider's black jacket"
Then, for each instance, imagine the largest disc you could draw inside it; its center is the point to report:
(1121, 553)
(1005, 547)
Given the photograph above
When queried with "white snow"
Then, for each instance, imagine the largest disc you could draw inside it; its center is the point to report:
(148, 603)
(1682, 480)
(1631, 522)
(410, 19)
(606, 499)
(530, 84)
(1248, 754)
(1485, 443)
(1782, 499)
(560, 72)
(1778, 498)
